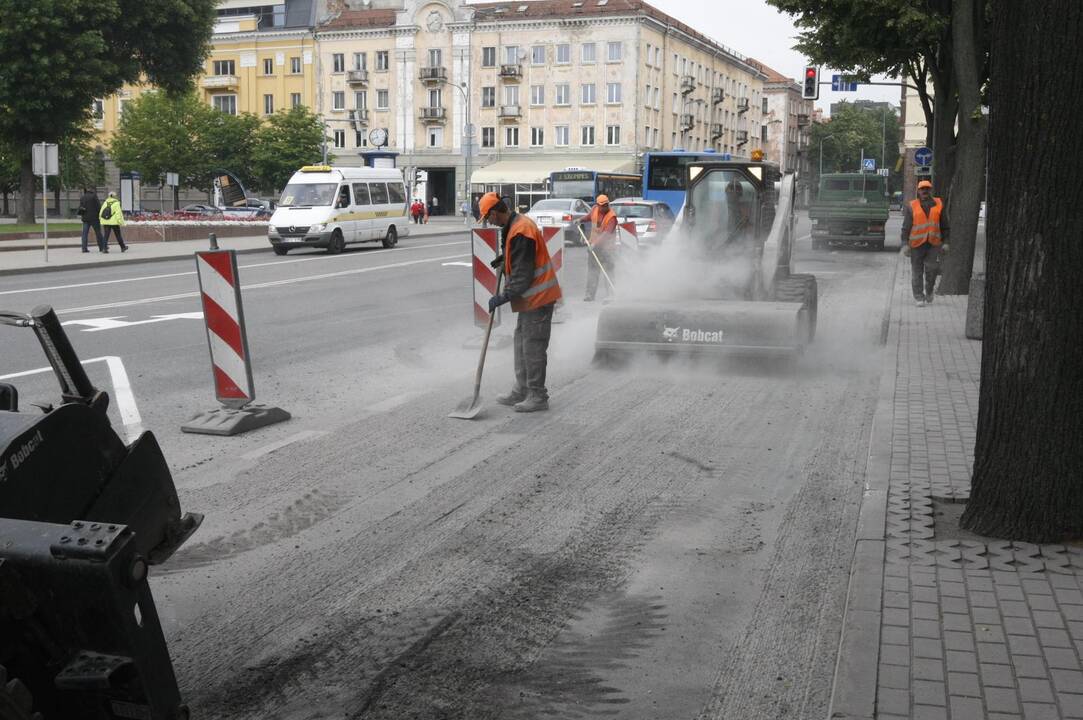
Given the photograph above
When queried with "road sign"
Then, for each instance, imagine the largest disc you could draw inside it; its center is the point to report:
(841, 83)
(868, 165)
(50, 165)
(172, 179)
(923, 156)
(923, 171)
(883, 171)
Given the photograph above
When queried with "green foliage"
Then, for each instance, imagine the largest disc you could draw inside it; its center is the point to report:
(156, 136)
(288, 140)
(81, 164)
(225, 142)
(9, 167)
(853, 129)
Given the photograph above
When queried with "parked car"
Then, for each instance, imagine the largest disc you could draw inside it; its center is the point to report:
(567, 213)
(653, 218)
(200, 209)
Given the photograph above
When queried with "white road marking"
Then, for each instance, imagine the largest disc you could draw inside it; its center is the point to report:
(250, 265)
(268, 449)
(113, 323)
(256, 286)
(123, 397)
(459, 263)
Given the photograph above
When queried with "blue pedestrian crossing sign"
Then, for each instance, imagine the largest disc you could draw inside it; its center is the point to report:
(841, 83)
(923, 156)
(868, 165)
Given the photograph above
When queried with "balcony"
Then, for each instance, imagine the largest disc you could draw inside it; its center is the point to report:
(433, 75)
(687, 121)
(742, 105)
(716, 131)
(219, 82)
(717, 96)
(802, 120)
(357, 77)
(433, 114)
(688, 84)
(510, 112)
(511, 72)
(359, 117)
(742, 137)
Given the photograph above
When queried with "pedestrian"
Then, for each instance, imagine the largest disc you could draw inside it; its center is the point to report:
(464, 208)
(532, 289)
(415, 211)
(424, 213)
(925, 239)
(112, 217)
(89, 206)
(603, 242)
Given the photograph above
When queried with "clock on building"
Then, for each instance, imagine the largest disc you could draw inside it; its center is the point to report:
(378, 137)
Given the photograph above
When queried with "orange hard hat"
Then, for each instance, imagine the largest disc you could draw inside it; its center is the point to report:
(924, 184)
(603, 199)
(487, 203)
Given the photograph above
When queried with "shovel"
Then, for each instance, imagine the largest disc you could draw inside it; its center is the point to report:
(590, 249)
(469, 408)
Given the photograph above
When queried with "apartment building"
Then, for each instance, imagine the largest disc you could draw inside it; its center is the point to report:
(787, 122)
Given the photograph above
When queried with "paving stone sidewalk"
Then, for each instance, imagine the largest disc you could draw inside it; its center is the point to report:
(942, 623)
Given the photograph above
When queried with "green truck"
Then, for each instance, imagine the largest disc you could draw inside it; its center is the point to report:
(850, 209)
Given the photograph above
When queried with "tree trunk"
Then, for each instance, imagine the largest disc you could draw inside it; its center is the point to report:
(945, 110)
(27, 190)
(1028, 457)
(967, 181)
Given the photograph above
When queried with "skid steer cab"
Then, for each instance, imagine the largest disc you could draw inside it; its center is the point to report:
(730, 288)
(82, 516)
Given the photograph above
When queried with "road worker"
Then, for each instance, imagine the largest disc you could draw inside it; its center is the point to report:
(603, 241)
(925, 238)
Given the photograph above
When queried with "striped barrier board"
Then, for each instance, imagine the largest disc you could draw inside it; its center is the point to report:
(626, 235)
(486, 247)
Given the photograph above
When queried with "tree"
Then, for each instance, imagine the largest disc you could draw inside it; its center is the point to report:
(1028, 456)
(287, 141)
(854, 129)
(59, 55)
(158, 133)
(227, 142)
(9, 172)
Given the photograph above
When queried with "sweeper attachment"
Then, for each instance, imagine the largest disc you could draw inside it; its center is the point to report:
(722, 282)
(82, 516)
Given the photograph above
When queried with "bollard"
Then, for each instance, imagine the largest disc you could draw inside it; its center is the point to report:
(975, 307)
(214, 241)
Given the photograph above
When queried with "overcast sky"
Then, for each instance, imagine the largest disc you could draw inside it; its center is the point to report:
(755, 29)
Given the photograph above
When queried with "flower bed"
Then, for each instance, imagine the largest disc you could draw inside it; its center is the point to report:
(176, 229)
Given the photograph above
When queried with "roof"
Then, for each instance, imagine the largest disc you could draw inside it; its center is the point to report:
(536, 169)
(368, 18)
(773, 76)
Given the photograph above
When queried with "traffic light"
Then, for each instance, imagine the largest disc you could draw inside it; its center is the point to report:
(811, 88)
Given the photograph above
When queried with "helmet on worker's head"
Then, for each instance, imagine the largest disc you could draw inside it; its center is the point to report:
(488, 201)
(603, 200)
(925, 184)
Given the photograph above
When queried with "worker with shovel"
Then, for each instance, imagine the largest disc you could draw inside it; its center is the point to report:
(533, 290)
(602, 245)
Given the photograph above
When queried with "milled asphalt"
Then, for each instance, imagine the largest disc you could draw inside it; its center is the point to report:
(941, 623)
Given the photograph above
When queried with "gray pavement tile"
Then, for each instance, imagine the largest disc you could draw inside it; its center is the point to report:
(894, 635)
(1010, 608)
(923, 579)
(1002, 578)
(1002, 700)
(1075, 629)
(1062, 659)
(928, 692)
(1010, 592)
(1024, 645)
(925, 611)
(1067, 681)
(1064, 581)
(897, 616)
(1003, 716)
(925, 594)
(1048, 619)
(983, 599)
(1020, 626)
(988, 616)
(964, 684)
(1072, 612)
(989, 633)
(979, 583)
(895, 654)
(894, 676)
(930, 628)
(928, 648)
(1040, 711)
(897, 570)
(1068, 596)
(964, 708)
(958, 641)
(1051, 637)
(952, 589)
(1026, 666)
(993, 653)
(896, 584)
(954, 605)
(929, 712)
(1071, 706)
(927, 669)
(882, 716)
(1042, 602)
(892, 700)
(896, 599)
(1035, 586)
(958, 661)
(997, 675)
(1035, 690)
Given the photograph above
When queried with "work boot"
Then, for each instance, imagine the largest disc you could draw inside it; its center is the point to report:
(929, 299)
(920, 302)
(533, 403)
(512, 398)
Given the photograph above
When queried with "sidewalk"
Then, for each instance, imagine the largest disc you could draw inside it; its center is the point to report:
(66, 254)
(941, 623)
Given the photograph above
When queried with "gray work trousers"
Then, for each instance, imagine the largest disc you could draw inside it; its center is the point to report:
(608, 258)
(924, 267)
(531, 348)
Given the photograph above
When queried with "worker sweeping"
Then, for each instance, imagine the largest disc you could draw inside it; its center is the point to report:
(603, 241)
(925, 233)
(532, 289)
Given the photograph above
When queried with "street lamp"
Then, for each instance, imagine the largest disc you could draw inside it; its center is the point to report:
(468, 135)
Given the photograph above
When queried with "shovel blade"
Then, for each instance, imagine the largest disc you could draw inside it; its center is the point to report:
(468, 409)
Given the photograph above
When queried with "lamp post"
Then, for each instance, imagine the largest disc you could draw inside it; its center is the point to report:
(468, 135)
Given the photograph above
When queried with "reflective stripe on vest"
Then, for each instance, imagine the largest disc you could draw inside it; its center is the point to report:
(544, 290)
(926, 228)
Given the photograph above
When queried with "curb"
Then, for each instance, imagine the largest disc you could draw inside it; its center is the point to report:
(853, 691)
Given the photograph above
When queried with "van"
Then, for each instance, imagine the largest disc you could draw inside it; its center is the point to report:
(329, 207)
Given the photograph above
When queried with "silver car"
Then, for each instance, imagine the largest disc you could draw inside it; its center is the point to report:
(653, 219)
(567, 213)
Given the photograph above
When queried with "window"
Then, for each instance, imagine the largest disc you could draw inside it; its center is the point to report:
(224, 67)
(97, 109)
(338, 100)
(225, 103)
(537, 55)
(511, 137)
(564, 54)
(587, 94)
(658, 58)
(648, 56)
(589, 53)
(436, 98)
(361, 194)
(587, 135)
(647, 136)
(612, 92)
(436, 137)
(657, 98)
(360, 61)
(396, 192)
(564, 94)
(561, 135)
(382, 102)
(359, 140)
(268, 66)
(511, 55)
(488, 137)
(436, 57)
(338, 62)
(383, 60)
(764, 108)
(537, 94)
(488, 57)
(616, 51)
(295, 100)
(378, 193)
(511, 95)
(268, 104)
(647, 96)
(295, 65)
(340, 138)
(612, 134)
(537, 136)
(488, 96)
(361, 99)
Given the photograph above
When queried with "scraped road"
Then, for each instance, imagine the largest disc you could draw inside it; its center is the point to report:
(668, 541)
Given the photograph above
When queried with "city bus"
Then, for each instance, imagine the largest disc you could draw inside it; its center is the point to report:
(587, 185)
(663, 174)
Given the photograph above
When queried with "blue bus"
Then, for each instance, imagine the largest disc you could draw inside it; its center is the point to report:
(587, 185)
(663, 174)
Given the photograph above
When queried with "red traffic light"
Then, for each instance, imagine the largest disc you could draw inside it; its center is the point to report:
(810, 72)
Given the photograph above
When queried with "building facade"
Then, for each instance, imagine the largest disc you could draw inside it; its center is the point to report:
(787, 123)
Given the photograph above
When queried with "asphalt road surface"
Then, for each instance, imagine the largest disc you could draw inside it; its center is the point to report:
(669, 541)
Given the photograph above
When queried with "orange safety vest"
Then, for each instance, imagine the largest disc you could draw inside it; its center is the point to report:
(545, 290)
(603, 233)
(926, 228)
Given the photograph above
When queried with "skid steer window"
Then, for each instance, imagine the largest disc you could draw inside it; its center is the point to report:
(725, 205)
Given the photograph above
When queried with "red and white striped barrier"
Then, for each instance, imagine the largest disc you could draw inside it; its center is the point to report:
(223, 314)
(486, 247)
(626, 235)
